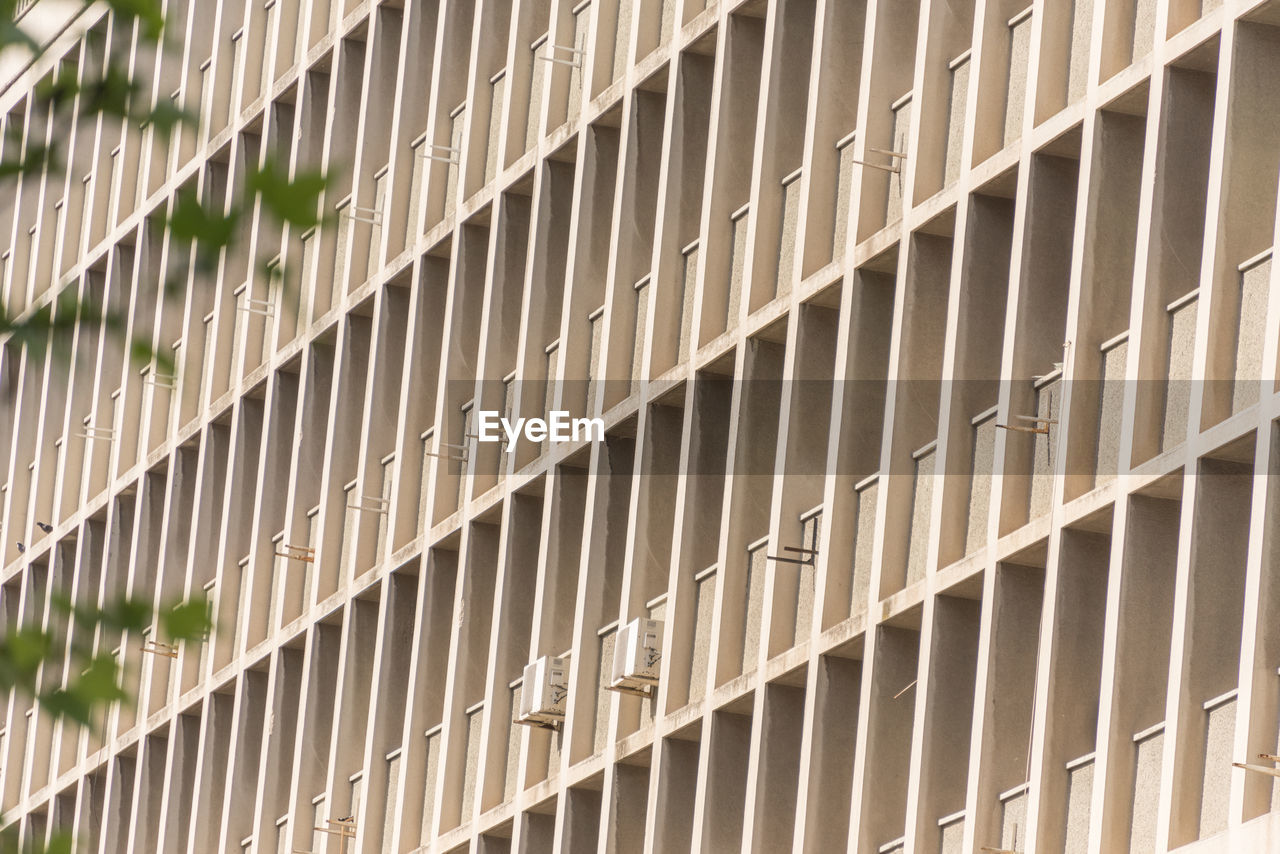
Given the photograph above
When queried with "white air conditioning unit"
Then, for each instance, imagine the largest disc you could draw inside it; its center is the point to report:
(637, 656)
(544, 691)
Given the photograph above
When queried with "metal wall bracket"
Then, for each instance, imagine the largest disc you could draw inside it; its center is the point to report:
(302, 553)
(453, 154)
(577, 52)
(371, 505)
(1039, 426)
(1260, 769)
(811, 556)
(373, 216)
(896, 169)
(343, 828)
(461, 457)
(897, 155)
(168, 650)
(92, 433)
(551, 725)
(261, 307)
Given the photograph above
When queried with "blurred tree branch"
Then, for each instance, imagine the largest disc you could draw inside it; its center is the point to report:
(68, 666)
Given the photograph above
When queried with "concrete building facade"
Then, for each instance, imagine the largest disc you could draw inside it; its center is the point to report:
(935, 343)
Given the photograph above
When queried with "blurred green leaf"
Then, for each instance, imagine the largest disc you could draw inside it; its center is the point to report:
(112, 93)
(59, 91)
(59, 843)
(26, 648)
(96, 685)
(97, 680)
(61, 703)
(190, 221)
(186, 620)
(101, 679)
(35, 158)
(166, 115)
(126, 614)
(295, 201)
(11, 33)
(141, 352)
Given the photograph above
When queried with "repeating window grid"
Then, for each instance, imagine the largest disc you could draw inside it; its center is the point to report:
(1179, 368)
